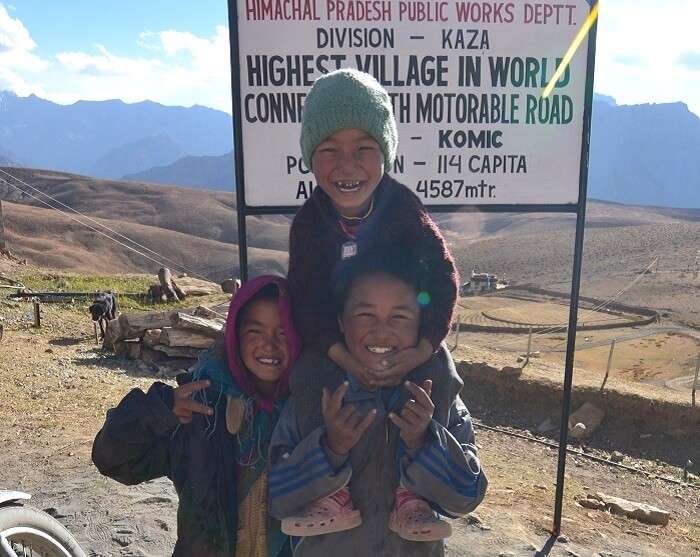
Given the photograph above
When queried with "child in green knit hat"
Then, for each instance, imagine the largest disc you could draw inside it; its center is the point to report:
(349, 140)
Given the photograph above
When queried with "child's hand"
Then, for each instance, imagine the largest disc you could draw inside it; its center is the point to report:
(344, 426)
(184, 407)
(397, 365)
(416, 415)
(347, 362)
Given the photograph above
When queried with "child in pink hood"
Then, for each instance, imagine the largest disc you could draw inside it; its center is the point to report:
(210, 435)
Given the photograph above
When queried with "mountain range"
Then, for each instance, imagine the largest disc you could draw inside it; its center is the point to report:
(107, 139)
(214, 173)
(647, 154)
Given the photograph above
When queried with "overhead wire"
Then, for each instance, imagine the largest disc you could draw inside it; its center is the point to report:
(165, 258)
(581, 453)
(172, 262)
(595, 309)
(84, 224)
(100, 232)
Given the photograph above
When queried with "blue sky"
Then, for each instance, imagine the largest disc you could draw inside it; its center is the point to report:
(74, 25)
(176, 51)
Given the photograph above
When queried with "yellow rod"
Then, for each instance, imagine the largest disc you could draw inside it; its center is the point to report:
(585, 28)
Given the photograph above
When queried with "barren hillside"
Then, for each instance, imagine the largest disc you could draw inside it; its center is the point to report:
(196, 212)
(49, 239)
(614, 256)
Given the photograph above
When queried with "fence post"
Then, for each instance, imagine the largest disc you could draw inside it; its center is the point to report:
(459, 322)
(607, 370)
(529, 345)
(695, 381)
(37, 315)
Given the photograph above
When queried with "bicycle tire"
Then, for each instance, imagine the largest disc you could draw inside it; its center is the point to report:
(38, 531)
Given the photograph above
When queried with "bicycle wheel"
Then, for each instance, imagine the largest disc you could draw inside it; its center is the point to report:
(32, 533)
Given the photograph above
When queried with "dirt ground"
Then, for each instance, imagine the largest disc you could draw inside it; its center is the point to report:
(58, 386)
(664, 355)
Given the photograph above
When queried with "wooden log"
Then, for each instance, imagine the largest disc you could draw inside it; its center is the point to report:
(219, 311)
(136, 324)
(204, 311)
(152, 337)
(183, 337)
(209, 327)
(129, 349)
(180, 293)
(151, 356)
(165, 278)
(174, 367)
(197, 287)
(178, 351)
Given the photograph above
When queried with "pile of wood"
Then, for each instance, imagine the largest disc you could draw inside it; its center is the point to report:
(170, 289)
(167, 342)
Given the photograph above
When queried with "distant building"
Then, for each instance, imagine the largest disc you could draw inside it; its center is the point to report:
(479, 283)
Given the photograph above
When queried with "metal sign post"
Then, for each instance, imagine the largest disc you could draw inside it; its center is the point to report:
(479, 127)
(241, 210)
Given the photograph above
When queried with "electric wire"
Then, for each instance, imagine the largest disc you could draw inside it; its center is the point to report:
(91, 220)
(164, 258)
(100, 232)
(595, 309)
(478, 424)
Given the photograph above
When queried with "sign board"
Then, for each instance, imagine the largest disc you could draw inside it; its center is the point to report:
(466, 81)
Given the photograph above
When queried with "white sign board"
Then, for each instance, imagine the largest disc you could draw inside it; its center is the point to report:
(466, 81)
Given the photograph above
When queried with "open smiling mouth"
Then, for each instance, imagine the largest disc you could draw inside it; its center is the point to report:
(269, 361)
(381, 350)
(348, 186)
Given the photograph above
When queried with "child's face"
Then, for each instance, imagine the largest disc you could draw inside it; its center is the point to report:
(348, 166)
(263, 343)
(381, 316)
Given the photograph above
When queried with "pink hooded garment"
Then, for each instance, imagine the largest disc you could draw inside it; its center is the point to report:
(240, 374)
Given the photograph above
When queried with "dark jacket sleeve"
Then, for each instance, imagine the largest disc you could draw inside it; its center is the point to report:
(440, 278)
(309, 279)
(134, 443)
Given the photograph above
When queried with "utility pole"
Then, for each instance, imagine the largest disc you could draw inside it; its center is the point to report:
(3, 247)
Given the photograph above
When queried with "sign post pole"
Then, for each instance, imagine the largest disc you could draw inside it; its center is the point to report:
(238, 140)
(576, 280)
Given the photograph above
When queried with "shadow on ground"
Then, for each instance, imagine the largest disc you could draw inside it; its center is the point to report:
(108, 360)
(67, 341)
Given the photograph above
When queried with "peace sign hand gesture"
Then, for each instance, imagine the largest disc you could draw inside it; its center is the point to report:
(184, 407)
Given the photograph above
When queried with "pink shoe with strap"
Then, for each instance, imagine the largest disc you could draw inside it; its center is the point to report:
(413, 519)
(333, 513)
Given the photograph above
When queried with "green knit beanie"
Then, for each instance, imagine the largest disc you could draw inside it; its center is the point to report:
(344, 99)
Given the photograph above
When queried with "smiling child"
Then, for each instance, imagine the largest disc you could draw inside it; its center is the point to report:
(211, 433)
(398, 453)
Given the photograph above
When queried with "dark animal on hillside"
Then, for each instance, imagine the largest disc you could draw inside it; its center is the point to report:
(104, 309)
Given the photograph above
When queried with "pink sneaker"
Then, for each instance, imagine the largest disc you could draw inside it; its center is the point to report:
(413, 519)
(333, 513)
